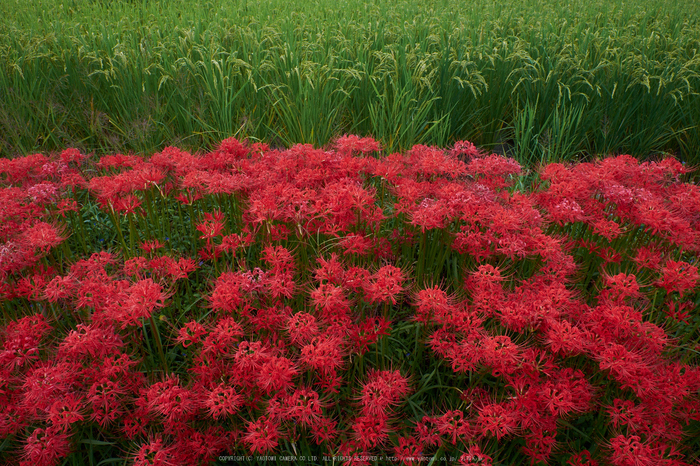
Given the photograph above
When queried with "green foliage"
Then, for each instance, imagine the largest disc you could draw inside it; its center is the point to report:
(550, 80)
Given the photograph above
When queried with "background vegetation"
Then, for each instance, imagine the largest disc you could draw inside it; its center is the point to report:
(542, 80)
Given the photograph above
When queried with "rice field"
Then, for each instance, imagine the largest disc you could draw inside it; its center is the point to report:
(540, 81)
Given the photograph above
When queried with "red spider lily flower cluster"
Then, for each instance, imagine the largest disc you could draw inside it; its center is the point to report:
(180, 307)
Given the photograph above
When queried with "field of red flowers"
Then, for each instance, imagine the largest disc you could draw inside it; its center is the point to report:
(436, 305)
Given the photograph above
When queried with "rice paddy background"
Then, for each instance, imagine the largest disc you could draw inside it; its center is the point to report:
(541, 81)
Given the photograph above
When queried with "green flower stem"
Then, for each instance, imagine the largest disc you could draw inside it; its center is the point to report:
(159, 344)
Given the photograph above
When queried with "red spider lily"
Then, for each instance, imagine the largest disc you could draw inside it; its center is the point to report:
(608, 229)
(262, 435)
(474, 456)
(355, 278)
(120, 366)
(196, 447)
(370, 431)
(487, 277)
(31, 286)
(348, 144)
(304, 406)
(65, 412)
(500, 353)
(72, 155)
(323, 353)
(302, 328)
(368, 332)
(233, 148)
(624, 412)
(60, 288)
(622, 286)
(409, 451)
(105, 400)
(330, 299)
(565, 338)
(230, 243)
(281, 284)
(648, 258)
(353, 453)
(276, 374)
(427, 433)
(43, 193)
(150, 246)
(535, 318)
(582, 458)
(22, 340)
(251, 356)
(280, 259)
(14, 257)
(170, 400)
(330, 270)
(324, 430)
(226, 296)
(191, 334)
(181, 268)
(539, 446)
(224, 334)
(629, 368)
(119, 161)
(496, 420)
(188, 197)
(212, 226)
(678, 311)
(629, 451)
(46, 382)
(267, 318)
(496, 172)
(430, 214)
(356, 244)
(154, 453)
(453, 426)
(90, 342)
(143, 298)
(22, 169)
(431, 161)
(222, 401)
(147, 176)
(45, 447)
(466, 150)
(433, 303)
(382, 391)
(127, 205)
(43, 237)
(385, 285)
(679, 277)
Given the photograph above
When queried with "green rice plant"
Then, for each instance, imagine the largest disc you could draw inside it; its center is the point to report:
(495, 107)
(688, 134)
(461, 85)
(562, 138)
(157, 73)
(528, 149)
(27, 121)
(557, 139)
(403, 105)
(226, 82)
(310, 107)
